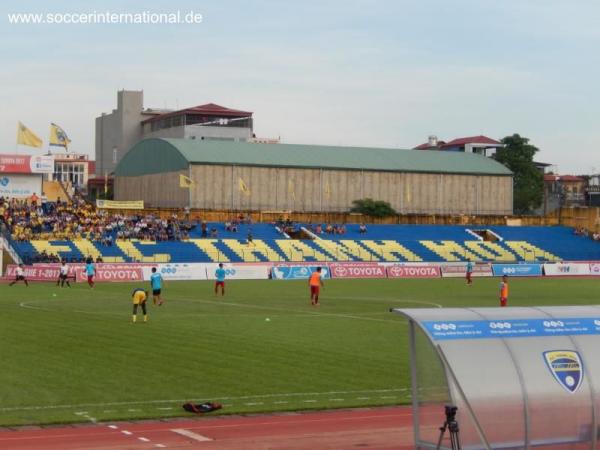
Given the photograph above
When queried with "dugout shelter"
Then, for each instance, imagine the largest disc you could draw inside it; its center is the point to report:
(521, 378)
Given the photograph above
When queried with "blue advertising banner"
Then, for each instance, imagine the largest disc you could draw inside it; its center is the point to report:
(517, 270)
(297, 272)
(514, 328)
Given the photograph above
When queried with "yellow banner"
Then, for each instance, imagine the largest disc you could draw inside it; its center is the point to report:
(125, 204)
(27, 137)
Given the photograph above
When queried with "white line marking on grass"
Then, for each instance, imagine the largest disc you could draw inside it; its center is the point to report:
(363, 398)
(391, 299)
(336, 399)
(280, 402)
(308, 313)
(221, 397)
(254, 403)
(191, 434)
(388, 396)
(165, 409)
(309, 401)
(133, 409)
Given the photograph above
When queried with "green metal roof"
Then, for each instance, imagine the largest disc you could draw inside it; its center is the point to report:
(167, 155)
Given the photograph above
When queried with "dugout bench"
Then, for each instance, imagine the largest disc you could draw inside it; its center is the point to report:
(522, 378)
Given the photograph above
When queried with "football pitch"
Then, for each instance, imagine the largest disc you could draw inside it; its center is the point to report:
(73, 355)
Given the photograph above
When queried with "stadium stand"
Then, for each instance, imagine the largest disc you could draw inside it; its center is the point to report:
(76, 231)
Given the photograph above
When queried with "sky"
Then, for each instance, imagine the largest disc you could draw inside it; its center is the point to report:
(358, 73)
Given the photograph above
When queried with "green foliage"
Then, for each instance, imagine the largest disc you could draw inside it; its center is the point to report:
(374, 208)
(517, 155)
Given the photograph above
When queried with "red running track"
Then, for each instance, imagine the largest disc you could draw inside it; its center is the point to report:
(380, 428)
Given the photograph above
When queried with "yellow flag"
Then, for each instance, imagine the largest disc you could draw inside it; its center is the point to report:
(291, 189)
(327, 190)
(186, 182)
(58, 137)
(27, 137)
(243, 187)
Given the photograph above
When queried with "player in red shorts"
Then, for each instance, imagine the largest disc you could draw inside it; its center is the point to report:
(220, 276)
(504, 291)
(315, 282)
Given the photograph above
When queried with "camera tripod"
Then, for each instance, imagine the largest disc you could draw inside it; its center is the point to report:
(451, 425)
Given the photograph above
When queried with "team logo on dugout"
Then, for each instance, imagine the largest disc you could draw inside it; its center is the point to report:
(567, 368)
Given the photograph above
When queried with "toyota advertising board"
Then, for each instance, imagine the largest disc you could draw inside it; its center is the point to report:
(357, 270)
(112, 272)
(411, 271)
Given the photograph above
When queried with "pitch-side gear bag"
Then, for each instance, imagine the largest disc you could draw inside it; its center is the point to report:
(201, 408)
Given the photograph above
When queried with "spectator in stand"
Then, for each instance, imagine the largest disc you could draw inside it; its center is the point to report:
(213, 233)
(362, 229)
(34, 199)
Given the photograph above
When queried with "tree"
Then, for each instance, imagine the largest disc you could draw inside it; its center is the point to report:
(517, 154)
(370, 207)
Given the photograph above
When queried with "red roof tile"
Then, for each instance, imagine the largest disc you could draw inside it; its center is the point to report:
(554, 177)
(209, 109)
(470, 140)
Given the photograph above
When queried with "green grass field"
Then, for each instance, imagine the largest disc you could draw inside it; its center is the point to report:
(71, 354)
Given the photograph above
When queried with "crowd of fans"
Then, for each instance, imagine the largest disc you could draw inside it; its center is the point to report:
(584, 232)
(30, 219)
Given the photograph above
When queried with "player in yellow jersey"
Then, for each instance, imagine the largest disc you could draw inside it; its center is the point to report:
(139, 297)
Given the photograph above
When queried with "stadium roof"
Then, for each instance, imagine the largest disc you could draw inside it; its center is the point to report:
(169, 155)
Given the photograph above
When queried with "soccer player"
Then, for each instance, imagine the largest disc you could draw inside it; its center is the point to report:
(315, 282)
(19, 276)
(504, 291)
(63, 276)
(220, 276)
(469, 273)
(90, 271)
(156, 281)
(139, 297)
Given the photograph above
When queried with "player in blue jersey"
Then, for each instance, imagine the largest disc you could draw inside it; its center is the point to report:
(156, 281)
(220, 276)
(469, 273)
(90, 271)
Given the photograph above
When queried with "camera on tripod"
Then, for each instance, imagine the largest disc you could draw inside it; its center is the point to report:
(451, 425)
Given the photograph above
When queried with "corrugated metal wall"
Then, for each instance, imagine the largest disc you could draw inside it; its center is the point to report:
(160, 189)
(276, 189)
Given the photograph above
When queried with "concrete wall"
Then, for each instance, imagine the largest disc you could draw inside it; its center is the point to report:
(277, 189)
(119, 130)
(199, 132)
